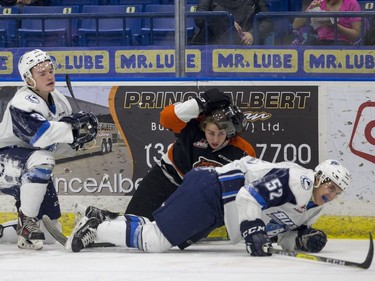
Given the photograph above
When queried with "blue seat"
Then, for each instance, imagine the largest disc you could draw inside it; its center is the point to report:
(79, 3)
(56, 33)
(8, 27)
(282, 26)
(160, 30)
(135, 2)
(172, 2)
(295, 5)
(367, 5)
(110, 31)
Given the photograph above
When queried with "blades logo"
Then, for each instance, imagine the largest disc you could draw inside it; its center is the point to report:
(204, 162)
(362, 141)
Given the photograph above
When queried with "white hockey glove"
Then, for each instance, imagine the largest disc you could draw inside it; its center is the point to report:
(256, 238)
(310, 239)
(84, 127)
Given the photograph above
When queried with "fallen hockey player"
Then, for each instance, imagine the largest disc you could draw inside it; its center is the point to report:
(257, 200)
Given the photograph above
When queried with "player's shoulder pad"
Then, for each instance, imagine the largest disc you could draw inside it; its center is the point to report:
(301, 182)
(26, 100)
(244, 145)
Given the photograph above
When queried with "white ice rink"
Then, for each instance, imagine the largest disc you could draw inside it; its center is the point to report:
(213, 261)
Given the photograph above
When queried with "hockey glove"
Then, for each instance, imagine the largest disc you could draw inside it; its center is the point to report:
(213, 99)
(256, 238)
(311, 240)
(84, 127)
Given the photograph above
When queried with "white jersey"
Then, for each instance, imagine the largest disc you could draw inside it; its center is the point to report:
(29, 121)
(277, 193)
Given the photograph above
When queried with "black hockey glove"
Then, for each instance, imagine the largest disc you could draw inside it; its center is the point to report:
(256, 238)
(213, 99)
(84, 127)
(310, 240)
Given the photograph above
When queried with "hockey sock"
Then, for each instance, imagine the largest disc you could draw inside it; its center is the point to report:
(32, 195)
(120, 233)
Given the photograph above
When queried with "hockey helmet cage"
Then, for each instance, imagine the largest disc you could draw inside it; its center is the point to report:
(31, 59)
(334, 171)
(231, 119)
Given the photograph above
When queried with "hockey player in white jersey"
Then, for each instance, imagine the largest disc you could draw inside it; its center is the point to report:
(258, 201)
(37, 123)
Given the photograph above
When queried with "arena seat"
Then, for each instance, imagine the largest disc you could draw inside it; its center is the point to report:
(295, 5)
(56, 33)
(8, 27)
(110, 31)
(367, 5)
(169, 2)
(160, 30)
(135, 2)
(282, 26)
(79, 3)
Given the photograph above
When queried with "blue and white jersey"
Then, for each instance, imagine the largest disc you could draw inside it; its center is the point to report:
(29, 121)
(277, 193)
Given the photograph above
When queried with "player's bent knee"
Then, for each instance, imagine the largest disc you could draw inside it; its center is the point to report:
(152, 240)
(39, 167)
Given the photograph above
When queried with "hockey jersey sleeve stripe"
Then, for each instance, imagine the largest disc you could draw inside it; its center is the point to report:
(230, 183)
(23, 129)
(42, 129)
(257, 196)
(175, 116)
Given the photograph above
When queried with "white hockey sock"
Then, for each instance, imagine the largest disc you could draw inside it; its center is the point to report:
(113, 232)
(32, 195)
(9, 232)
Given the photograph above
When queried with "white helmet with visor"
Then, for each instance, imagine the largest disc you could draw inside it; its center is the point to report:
(334, 171)
(28, 61)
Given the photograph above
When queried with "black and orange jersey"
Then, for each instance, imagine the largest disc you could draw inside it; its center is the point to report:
(191, 149)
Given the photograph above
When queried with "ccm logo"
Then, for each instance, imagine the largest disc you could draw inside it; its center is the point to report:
(253, 230)
(362, 141)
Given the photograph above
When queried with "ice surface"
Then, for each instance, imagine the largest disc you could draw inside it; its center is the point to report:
(214, 261)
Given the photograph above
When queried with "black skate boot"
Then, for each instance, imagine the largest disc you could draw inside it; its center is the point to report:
(101, 215)
(29, 234)
(83, 234)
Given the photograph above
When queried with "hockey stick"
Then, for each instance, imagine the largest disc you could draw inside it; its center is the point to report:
(61, 238)
(69, 85)
(365, 265)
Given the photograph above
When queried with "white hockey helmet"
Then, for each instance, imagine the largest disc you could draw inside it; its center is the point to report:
(29, 60)
(334, 171)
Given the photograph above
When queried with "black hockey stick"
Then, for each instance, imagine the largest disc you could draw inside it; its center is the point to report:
(69, 85)
(61, 238)
(365, 265)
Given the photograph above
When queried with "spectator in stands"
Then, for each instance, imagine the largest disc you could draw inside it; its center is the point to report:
(25, 2)
(348, 28)
(219, 29)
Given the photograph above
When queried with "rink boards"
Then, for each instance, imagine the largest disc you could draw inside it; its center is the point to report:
(304, 122)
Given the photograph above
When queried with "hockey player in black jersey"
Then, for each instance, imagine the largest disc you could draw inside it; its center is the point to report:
(207, 131)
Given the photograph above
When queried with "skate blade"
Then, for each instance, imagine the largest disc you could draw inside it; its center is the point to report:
(27, 244)
(82, 222)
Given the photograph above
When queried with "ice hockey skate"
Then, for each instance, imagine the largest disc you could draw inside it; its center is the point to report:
(29, 234)
(83, 235)
(101, 215)
(93, 212)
